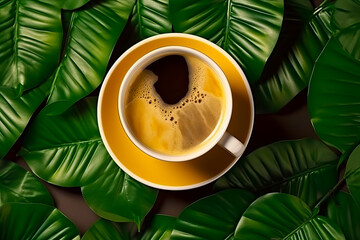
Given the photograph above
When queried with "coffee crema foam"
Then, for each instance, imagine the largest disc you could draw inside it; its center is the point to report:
(179, 128)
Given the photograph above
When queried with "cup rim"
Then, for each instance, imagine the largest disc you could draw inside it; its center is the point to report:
(221, 126)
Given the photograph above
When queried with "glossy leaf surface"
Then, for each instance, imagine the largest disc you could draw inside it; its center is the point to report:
(107, 230)
(66, 150)
(34, 221)
(213, 217)
(282, 81)
(305, 168)
(344, 211)
(347, 13)
(16, 113)
(333, 98)
(19, 185)
(30, 42)
(150, 18)
(160, 228)
(352, 174)
(114, 195)
(247, 30)
(283, 216)
(94, 31)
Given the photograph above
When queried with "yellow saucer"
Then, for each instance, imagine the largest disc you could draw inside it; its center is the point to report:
(173, 175)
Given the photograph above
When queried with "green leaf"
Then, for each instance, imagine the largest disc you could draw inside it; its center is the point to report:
(30, 43)
(306, 168)
(347, 18)
(16, 113)
(283, 216)
(352, 174)
(19, 185)
(107, 230)
(34, 221)
(346, 14)
(71, 4)
(94, 31)
(213, 217)
(150, 18)
(160, 228)
(283, 80)
(247, 30)
(115, 196)
(66, 150)
(344, 211)
(333, 98)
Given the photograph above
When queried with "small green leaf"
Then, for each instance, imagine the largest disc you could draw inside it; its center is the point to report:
(160, 228)
(115, 196)
(283, 80)
(94, 31)
(352, 174)
(346, 14)
(150, 18)
(16, 113)
(34, 221)
(246, 29)
(333, 98)
(344, 211)
(71, 4)
(306, 168)
(19, 185)
(107, 230)
(283, 216)
(213, 217)
(66, 150)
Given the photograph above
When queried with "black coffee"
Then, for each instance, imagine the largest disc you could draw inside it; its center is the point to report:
(173, 80)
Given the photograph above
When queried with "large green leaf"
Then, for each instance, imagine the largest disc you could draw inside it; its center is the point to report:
(114, 195)
(34, 221)
(352, 174)
(333, 98)
(150, 17)
(305, 168)
(283, 216)
(19, 185)
(246, 29)
(213, 217)
(66, 150)
(283, 80)
(30, 42)
(107, 230)
(94, 31)
(343, 210)
(15, 114)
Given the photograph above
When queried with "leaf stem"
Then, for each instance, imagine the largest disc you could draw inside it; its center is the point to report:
(333, 190)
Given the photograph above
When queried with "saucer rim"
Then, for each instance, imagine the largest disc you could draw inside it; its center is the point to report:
(118, 161)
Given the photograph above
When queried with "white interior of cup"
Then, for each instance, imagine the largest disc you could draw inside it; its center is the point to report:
(151, 57)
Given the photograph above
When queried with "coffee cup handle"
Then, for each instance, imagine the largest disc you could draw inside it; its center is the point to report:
(232, 145)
